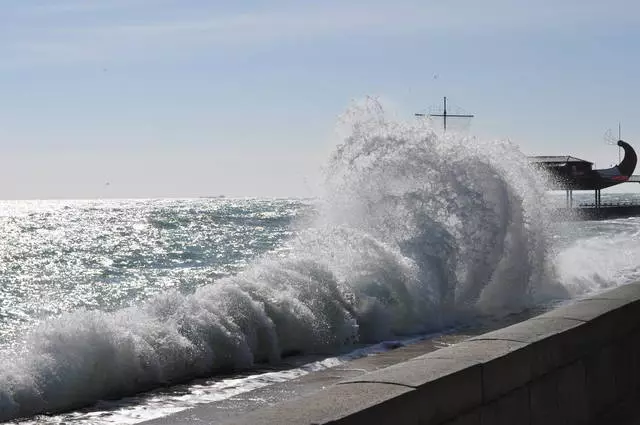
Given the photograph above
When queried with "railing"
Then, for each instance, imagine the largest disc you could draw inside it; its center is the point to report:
(619, 204)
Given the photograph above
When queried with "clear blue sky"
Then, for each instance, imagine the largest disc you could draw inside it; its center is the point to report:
(194, 97)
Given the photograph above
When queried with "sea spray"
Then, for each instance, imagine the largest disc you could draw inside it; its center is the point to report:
(606, 256)
(467, 212)
(415, 231)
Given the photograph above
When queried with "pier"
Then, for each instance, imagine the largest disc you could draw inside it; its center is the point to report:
(601, 211)
(571, 174)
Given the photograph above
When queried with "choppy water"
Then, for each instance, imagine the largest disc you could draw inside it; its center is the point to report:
(58, 256)
(100, 300)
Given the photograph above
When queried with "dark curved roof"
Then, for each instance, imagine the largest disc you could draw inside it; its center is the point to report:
(556, 159)
(573, 173)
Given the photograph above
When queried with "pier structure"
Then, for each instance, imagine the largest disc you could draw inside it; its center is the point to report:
(562, 166)
(570, 173)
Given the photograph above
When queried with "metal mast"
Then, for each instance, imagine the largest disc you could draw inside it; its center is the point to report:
(445, 115)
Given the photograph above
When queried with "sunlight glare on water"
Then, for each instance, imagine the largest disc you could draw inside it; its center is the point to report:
(60, 256)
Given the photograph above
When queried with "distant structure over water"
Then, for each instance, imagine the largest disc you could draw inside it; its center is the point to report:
(570, 173)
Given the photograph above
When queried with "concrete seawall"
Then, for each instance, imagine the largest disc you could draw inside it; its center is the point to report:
(579, 364)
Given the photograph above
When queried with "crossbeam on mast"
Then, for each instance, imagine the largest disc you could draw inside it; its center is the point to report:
(445, 115)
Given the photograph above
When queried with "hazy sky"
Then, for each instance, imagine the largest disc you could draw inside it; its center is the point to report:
(195, 97)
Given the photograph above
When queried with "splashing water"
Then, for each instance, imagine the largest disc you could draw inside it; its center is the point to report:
(415, 231)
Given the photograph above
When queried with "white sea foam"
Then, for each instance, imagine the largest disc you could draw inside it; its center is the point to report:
(606, 257)
(415, 231)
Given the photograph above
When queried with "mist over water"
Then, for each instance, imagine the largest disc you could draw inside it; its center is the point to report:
(594, 256)
(416, 231)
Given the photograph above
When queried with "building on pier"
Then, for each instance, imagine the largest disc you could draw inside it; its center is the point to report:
(570, 173)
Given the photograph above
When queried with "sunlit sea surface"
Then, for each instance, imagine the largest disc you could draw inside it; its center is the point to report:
(105, 255)
(62, 256)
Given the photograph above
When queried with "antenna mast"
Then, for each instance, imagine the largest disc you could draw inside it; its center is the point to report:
(445, 115)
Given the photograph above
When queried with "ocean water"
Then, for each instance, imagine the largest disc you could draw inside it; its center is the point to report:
(117, 311)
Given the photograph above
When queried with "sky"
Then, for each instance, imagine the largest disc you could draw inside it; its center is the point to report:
(182, 98)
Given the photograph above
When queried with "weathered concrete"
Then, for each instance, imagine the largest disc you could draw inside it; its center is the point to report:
(451, 386)
(577, 364)
(304, 386)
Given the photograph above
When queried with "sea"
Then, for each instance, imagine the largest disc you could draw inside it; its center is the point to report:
(125, 310)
